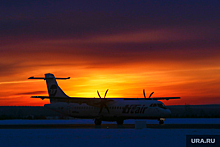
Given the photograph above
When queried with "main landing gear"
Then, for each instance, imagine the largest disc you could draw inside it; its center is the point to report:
(98, 121)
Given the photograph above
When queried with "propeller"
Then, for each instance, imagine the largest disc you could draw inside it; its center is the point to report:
(103, 102)
(104, 95)
(151, 94)
(145, 95)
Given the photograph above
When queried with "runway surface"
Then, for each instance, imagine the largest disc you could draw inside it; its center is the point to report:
(108, 126)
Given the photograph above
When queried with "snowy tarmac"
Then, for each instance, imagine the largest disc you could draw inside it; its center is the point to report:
(105, 137)
(180, 123)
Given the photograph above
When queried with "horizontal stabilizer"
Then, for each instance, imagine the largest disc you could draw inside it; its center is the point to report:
(49, 97)
(45, 97)
(48, 78)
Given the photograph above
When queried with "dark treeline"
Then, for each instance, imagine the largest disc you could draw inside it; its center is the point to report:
(195, 111)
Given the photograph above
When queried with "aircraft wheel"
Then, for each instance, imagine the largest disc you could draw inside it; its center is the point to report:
(161, 122)
(120, 122)
(98, 122)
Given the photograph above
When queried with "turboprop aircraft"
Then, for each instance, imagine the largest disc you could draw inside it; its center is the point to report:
(103, 109)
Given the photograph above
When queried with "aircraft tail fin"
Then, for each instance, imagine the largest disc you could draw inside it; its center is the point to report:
(53, 89)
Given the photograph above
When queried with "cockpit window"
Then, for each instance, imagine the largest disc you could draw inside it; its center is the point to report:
(158, 105)
(162, 106)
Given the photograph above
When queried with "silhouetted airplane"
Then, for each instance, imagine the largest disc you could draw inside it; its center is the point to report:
(103, 109)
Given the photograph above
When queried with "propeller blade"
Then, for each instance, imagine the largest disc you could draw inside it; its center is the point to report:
(144, 93)
(106, 107)
(151, 94)
(103, 102)
(100, 111)
(106, 93)
(99, 94)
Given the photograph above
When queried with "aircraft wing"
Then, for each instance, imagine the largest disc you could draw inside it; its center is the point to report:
(165, 98)
(155, 98)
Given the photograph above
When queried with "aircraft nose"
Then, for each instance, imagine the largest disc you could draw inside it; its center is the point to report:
(48, 106)
(167, 112)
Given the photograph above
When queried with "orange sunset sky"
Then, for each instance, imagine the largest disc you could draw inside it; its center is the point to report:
(171, 48)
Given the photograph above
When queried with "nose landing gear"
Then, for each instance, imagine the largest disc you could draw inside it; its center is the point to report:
(120, 122)
(161, 121)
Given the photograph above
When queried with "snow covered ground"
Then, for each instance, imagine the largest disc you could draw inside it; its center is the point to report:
(99, 137)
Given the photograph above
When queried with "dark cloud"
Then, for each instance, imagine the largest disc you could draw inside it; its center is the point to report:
(7, 69)
(85, 18)
(32, 93)
(143, 52)
(194, 32)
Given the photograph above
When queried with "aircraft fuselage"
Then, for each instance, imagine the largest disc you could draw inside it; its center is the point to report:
(123, 109)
